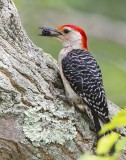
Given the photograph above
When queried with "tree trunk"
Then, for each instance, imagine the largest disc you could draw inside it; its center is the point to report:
(34, 123)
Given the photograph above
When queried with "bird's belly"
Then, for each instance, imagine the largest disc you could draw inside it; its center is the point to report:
(70, 92)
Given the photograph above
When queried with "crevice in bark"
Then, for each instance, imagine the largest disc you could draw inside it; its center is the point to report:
(13, 83)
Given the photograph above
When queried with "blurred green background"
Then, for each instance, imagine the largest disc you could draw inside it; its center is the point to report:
(105, 24)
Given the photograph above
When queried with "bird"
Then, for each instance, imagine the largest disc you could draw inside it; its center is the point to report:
(80, 72)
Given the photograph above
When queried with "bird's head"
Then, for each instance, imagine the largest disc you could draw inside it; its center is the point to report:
(70, 35)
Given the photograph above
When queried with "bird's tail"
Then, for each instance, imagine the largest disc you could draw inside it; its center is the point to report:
(97, 120)
(98, 123)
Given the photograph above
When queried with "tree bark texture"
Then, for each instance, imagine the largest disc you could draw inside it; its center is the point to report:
(34, 123)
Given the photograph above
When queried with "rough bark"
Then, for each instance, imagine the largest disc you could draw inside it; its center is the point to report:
(34, 124)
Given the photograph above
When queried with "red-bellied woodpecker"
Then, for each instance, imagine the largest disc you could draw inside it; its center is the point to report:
(80, 72)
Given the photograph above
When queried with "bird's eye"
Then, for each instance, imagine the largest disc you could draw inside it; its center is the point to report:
(66, 31)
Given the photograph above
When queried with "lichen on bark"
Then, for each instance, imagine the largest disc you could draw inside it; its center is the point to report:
(49, 123)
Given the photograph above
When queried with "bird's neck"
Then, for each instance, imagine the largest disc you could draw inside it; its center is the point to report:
(72, 44)
(78, 44)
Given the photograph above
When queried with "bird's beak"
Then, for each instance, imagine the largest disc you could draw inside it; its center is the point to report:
(50, 32)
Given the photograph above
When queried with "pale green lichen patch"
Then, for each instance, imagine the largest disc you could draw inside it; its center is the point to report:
(48, 123)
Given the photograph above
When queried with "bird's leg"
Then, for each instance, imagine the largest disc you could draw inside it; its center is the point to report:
(58, 95)
(64, 98)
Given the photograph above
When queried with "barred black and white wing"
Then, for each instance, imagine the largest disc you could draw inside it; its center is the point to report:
(84, 76)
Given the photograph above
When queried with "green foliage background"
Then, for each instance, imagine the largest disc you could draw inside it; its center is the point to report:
(110, 56)
(108, 141)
